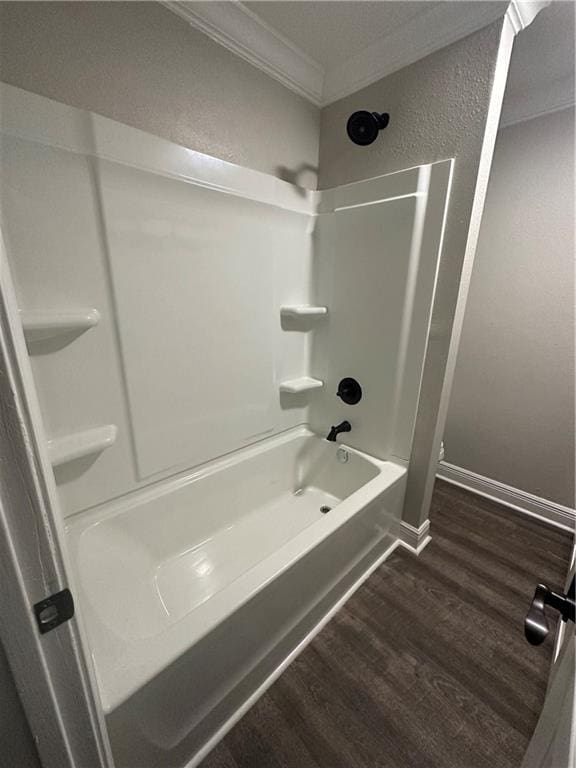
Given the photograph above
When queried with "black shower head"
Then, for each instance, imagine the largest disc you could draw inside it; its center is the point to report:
(363, 127)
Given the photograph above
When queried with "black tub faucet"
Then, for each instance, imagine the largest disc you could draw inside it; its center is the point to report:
(345, 426)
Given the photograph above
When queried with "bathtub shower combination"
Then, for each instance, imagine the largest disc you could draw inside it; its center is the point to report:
(192, 329)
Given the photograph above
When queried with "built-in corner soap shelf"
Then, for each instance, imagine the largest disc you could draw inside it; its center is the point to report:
(46, 324)
(304, 311)
(302, 384)
(81, 444)
(41, 325)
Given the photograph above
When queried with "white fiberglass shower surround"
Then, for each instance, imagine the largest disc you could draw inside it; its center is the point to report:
(187, 322)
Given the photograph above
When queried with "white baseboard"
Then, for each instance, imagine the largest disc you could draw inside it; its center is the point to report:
(547, 511)
(415, 539)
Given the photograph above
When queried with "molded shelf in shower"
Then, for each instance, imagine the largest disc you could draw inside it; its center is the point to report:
(303, 384)
(80, 444)
(46, 324)
(304, 311)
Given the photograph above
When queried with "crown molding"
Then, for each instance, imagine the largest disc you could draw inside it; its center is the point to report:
(537, 103)
(241, 31)
(440, 26)
(521, 13)
(521, 106)
(237, 28)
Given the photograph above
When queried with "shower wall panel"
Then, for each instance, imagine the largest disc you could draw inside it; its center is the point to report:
(377, 248)
(187, 260)
(54, 241)
(199, 277)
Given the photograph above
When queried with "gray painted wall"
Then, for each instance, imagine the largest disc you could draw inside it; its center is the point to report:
(140, 64)
(17, 747)
(438, 108)
(511, 415)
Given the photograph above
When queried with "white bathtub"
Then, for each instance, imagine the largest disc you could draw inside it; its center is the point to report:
(195, 592)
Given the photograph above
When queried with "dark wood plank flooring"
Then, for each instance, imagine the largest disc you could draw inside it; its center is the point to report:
(426, 666)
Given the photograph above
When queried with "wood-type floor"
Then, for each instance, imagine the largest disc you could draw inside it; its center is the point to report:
(426, 666)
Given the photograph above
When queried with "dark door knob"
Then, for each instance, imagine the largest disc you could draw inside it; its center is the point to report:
(536, 626)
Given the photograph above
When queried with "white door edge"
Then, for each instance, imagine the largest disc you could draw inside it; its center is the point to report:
(52, 671)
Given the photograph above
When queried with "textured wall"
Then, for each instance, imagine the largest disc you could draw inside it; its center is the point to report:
(140, 64)
(438, 108)
(511, 415)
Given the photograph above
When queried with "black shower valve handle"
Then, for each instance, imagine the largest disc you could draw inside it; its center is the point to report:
(349, 391)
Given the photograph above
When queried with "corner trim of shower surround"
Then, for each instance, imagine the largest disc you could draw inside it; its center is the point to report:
(415, 539)
(34, 118)
(285, 663)
(548, 511)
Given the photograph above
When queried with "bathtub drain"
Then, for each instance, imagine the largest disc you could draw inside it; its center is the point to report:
(324, 509)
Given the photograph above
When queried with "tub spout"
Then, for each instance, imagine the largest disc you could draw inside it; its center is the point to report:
(345, 426)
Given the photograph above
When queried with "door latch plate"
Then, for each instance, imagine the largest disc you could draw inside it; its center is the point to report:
(54, 610)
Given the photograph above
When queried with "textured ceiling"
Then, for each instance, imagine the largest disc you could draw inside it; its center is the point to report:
(330, 32)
